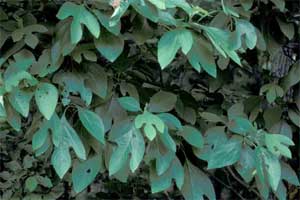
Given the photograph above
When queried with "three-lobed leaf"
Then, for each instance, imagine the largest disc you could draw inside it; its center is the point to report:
(80, 15)
(196, 184)
(171, 42)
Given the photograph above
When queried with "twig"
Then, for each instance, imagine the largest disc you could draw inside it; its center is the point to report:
(227, 186)
(242, 182)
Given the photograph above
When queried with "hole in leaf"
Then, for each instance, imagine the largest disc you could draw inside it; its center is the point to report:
(88, 171)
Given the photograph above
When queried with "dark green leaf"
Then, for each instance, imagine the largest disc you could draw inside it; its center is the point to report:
(93, 123)
(130, 104)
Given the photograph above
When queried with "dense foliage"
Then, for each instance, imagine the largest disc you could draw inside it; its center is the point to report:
(187, 96)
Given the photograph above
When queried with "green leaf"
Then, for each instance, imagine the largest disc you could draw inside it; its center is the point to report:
(268, 168)
(13, 118)
(73, 82)
(286, 28)
(229, 9)
(64, 137)
(245, 28)
(40, 137)
(261, 43)
(292, 78)
(110, 46)
(130, 104)
(273, 169)
(196, 184)
(13, 77)
(214, 136)
(69, 138)
(201, 57)
(2, 109)
(282, 128)
(164, 181)
(272, 116)
(16, 71)
(246, 165)
(261, 177)
(26, 33)
(93, 123)
(97, 80)
(180, 4)
(44, 65)
(44, 181)
(247, 4)
(147, 10)
(151, 122)
(277, 144)
(294, 117)
(162, 156)
(105, 21)
(80, 15)
(31, 40)
(187, 114)
(280, 4)
(225, 154)
(43, 148)
(85, 172)
(162, 102)
(221, 40)
(236, 110)
(167, 140)
(241, 126)
(171, 42)
(281, 191)
(31, 183)
(192, 136)
(160, 4)
(20, 100)
(273, 91)
(85, 52)
(46, 97)
(163, 161)
(167, 18)
(40, 140)
(119, 12)
(171, 121)
(137, 150)
(288, 174)
(212, 117)
(28, 30)
(61, 160)
(129, 141)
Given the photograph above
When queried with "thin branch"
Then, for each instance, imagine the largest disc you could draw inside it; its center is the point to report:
(242, 182)
(227, 186)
